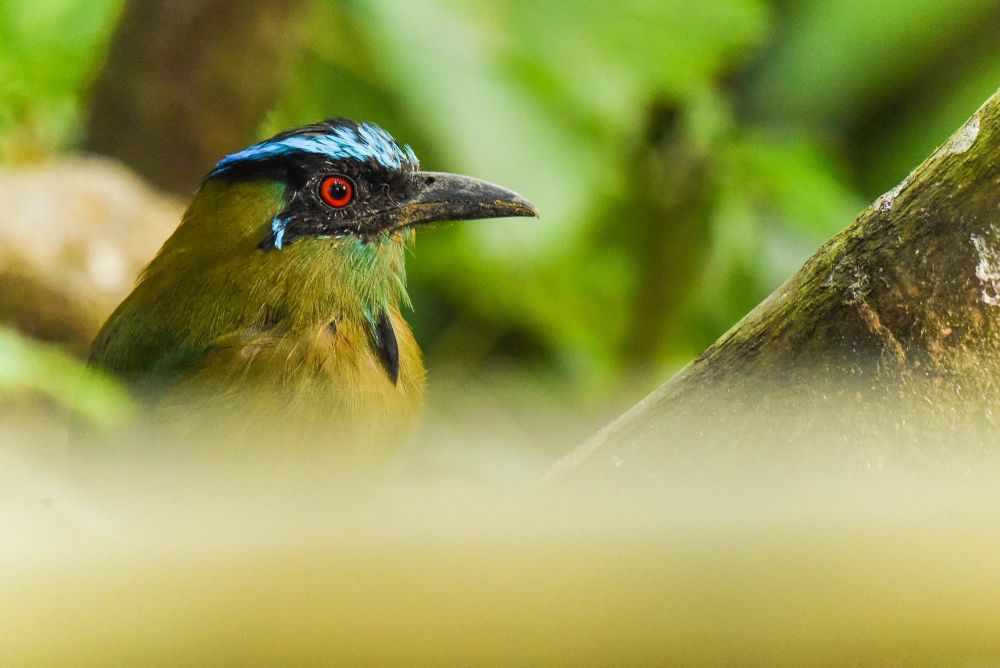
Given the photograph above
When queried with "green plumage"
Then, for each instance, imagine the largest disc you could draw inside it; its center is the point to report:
(213, 312)
(275, 305)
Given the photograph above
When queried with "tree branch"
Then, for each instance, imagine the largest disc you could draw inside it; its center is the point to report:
(883, 348)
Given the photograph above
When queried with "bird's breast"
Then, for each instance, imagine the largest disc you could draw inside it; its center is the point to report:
(330, 380)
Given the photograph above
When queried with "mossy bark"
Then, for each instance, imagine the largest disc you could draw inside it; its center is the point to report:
(883, 348)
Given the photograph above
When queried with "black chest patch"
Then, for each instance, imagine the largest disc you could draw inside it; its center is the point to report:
(384, 339)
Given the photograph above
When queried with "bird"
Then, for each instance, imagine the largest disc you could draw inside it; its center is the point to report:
(279, 296)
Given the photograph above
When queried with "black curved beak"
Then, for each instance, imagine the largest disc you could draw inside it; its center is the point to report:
(442, 196)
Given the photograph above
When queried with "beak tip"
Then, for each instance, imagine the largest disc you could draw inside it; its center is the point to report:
(521, 207)
(529, 210)
(445, 196)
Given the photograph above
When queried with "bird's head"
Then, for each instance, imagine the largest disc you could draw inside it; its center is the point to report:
(345, 180)
(308, 225)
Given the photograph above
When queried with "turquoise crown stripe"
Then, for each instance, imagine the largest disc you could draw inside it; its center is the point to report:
(367, 142)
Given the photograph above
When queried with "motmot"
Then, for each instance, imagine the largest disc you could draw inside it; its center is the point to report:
(286, 280)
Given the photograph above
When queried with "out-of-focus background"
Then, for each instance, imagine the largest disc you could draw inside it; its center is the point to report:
(686, 157)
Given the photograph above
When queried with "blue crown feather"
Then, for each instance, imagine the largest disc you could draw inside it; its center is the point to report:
(365, 141)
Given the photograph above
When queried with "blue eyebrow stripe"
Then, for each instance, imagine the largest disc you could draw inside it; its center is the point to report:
(367, 142)
(278, 225)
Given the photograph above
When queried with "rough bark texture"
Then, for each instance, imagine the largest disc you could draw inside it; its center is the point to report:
(187, 81)
(883, 349)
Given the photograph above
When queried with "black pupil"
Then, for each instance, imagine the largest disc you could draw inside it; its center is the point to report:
(338, 190)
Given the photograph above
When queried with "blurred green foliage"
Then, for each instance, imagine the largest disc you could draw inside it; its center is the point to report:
(47, 48)
(44, 370)
(686, 156)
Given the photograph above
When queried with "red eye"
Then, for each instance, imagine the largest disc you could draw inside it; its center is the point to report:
(336, 191)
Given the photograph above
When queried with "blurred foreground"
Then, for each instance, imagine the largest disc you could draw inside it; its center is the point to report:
(462, 554)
